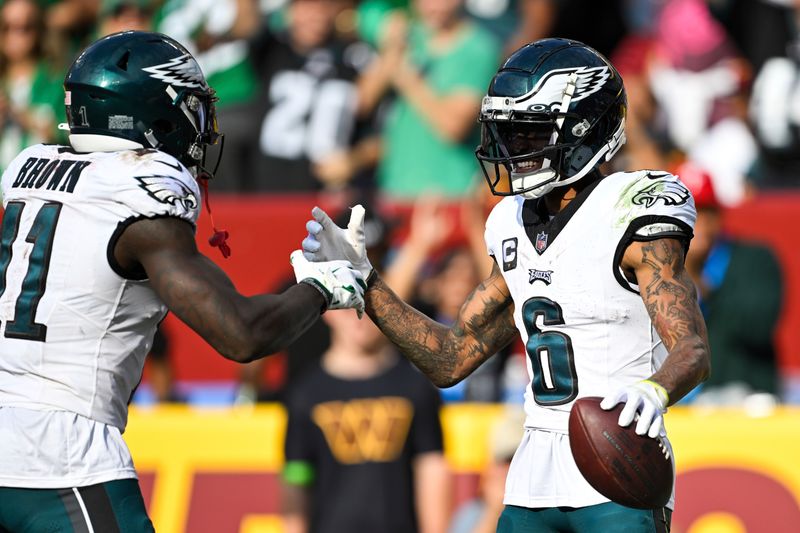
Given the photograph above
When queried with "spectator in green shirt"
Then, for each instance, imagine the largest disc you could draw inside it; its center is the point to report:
(438, 64)
(31, 95)
(217, 33)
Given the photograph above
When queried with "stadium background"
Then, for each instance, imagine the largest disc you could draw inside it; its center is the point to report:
(210, 467)
(215, 469)
(255, 266)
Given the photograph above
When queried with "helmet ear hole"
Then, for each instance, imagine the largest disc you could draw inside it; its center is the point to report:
(122, 64)
(580, 156)
(163, 126)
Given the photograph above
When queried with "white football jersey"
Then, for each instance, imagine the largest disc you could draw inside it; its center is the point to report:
(75, 328)
(584, 326)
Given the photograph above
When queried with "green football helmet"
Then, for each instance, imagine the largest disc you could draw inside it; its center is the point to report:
(553, 113)
(137, 89)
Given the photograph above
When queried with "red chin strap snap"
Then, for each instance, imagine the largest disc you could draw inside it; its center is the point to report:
(220, 237)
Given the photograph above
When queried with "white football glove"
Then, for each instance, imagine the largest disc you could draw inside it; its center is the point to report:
(339, 283)
(328, 242)
(648, 399)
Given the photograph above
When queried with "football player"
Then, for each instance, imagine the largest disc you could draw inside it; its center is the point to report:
(588, 270)
(97, 243)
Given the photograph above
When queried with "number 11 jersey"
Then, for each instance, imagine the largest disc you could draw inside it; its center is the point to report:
(74, 326)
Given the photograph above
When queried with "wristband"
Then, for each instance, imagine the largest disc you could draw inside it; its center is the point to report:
(372, 275)
(660, 390)
(326, 296)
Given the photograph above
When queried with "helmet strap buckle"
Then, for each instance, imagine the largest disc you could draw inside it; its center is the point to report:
(195, 151)
(192, 102)
(151, 138)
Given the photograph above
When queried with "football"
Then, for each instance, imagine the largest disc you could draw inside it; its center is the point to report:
(630, 469)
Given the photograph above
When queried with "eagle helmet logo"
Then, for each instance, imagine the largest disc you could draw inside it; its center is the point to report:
(550, 89)
(181, 71)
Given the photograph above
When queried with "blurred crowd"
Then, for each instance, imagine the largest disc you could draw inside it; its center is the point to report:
(376, 101)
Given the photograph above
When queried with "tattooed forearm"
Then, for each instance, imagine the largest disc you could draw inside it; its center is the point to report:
(447, 354)
(670, 295)
(671, 300)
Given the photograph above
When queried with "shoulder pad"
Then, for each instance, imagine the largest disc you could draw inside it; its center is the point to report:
(654, 194)
(156, 184)
(657, 186)
(496, 220)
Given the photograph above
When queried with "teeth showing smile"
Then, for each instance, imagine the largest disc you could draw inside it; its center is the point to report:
(531, 164)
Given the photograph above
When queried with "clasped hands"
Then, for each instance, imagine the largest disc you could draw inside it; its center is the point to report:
(334, 260)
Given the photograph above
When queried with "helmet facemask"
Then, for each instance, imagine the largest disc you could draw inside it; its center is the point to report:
(522, 155)
(199, 109)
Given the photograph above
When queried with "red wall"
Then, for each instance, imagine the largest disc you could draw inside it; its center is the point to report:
(264, 231)
(220, 500)
(775, 220)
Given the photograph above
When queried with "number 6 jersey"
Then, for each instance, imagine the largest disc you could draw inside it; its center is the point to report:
(75, 328)
(585, 327)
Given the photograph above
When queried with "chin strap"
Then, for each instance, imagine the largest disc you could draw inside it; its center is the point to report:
(220, 237)
(569, 91)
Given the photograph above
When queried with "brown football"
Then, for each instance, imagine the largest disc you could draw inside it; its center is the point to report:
(630, 469)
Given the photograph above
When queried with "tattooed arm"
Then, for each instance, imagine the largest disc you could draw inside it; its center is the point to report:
(670, 297)
(200, 294)
(484, 325)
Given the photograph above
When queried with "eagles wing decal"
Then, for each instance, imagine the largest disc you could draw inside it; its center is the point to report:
(669, 192)
(181, 71)
(550, 89)
(168, 190)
